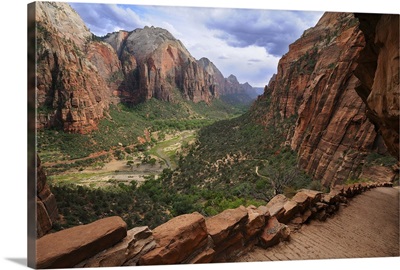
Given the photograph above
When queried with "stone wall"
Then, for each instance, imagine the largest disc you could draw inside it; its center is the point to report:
(192, 238)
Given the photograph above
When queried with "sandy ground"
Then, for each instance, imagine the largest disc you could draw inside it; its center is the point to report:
(367, 227)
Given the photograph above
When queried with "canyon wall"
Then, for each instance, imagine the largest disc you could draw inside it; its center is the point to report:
(315, 88)
(378, 72)
(71, 94)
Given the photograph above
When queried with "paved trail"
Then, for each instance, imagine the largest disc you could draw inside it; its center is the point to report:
(367, 227)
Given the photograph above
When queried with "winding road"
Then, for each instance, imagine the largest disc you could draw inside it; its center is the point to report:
(367, 227)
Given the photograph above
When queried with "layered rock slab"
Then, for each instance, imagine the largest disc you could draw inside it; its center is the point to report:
(69, 247)
(177, 240)
(227, 232)
(138, 241)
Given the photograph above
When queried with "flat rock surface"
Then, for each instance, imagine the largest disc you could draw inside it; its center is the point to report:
(68, 247)
(367, 227)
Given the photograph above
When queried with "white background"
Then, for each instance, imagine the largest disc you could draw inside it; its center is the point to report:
(13, 83)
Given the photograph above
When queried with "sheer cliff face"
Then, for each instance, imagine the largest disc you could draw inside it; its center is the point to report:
(315, 86)
(155, 64)
(71, 94)
(378, 72)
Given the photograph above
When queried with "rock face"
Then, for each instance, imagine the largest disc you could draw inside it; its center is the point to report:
(315, 89)
(155, 64)
(274, 232)
(46, 205)
(226, 231)
(138, 242)
(71, 94)
(177, 240)
(378, 71)
(69, 247)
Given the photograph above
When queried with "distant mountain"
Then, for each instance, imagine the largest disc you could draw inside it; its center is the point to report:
(257, 91)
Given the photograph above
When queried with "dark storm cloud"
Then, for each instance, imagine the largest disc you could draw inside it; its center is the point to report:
(269, 29)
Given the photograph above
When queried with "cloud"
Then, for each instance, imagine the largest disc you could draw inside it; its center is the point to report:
(103, 18)
(270, 29)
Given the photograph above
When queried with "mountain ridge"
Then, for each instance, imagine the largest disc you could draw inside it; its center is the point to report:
(129, 67)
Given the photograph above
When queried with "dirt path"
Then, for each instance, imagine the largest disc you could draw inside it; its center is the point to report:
(367, 227)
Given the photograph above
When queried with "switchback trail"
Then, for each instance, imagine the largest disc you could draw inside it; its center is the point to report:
(367, 227)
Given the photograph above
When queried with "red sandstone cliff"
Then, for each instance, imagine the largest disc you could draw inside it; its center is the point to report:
(155, 64)
(378, 72)
(315, 86)
(71, 93)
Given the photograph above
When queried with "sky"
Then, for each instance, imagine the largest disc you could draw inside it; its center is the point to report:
(247, 43)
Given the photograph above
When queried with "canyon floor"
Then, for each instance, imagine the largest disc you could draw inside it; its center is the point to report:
(367, 227)
(117, 171)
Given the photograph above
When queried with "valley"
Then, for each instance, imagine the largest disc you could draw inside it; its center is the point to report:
(131, 124)
(136, 167)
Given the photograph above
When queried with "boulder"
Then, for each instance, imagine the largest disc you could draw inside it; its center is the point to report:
(226, 223)
(302, 201)
(69, 247)
(46, 206)
(321, 206)
(204, 257)
(306, 215)
(177, 239)
(273, 233)
(49, 202)
(327, 198)
(229, 248)
(143, 242)
(227, 230)
(313, 195)
(255, 223)
(275, 206)
(205, 254)
(321, 215)
(127, 252)
(43, 221)
(291, 208)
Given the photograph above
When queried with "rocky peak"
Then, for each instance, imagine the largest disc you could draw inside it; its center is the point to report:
(66, 22)
(142, 42)
(117, 40)
(155, 64)
(232, 79)
(232, 86)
